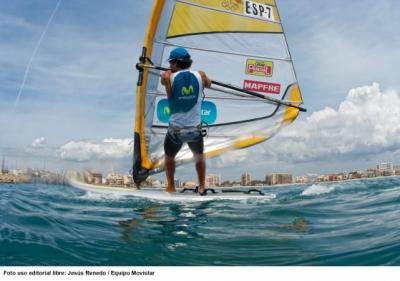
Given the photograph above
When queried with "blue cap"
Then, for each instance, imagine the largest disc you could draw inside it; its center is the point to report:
(178, 53)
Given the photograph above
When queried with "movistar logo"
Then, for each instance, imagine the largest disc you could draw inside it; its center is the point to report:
(187, 90)
(167, 111)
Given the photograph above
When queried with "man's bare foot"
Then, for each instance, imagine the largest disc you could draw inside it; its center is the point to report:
(202, 190)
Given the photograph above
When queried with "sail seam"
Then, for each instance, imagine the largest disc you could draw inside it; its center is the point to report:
(222, 52)
(216, 32)
(161, 94)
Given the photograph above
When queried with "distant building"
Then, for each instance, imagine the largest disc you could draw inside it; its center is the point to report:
(283, 178)
(93, 177)
(177, 183)
(370, 173)
(189, 184)
(396, 170)
(115, 179)
(213, 180)
(150, 182)
(246, 179)
(128, 180)
(385, 169)
(322, 178)
(3, 166)
(333, 177)
(355, 175)
(384, 166)
(301, 179)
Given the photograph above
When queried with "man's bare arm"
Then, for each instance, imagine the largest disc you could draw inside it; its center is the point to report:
(166, 81)
(206, 81)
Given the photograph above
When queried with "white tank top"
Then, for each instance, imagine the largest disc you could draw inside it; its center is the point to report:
(192, 117)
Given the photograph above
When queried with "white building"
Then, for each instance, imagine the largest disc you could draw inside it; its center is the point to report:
(213, 180)
(246, 179)
(385, 168)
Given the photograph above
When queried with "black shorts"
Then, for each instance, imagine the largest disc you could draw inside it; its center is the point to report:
(172, 145)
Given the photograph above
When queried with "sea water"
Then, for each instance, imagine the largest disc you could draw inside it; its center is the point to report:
(343, 223)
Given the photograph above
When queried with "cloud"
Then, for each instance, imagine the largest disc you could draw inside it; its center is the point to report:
(366, 123)
(8, 21)
(232, 158)
(36, 145)
(85, 151)
(332, 48)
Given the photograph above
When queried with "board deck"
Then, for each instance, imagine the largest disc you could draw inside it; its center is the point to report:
(159, 194)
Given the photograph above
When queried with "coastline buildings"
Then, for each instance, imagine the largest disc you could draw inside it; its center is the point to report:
(212, 180)
(112, 179)
(246, 179)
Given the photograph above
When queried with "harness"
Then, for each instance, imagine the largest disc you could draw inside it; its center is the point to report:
(187, 134)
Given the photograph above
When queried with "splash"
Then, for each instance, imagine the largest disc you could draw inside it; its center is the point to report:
(28, 67)
(316, 189)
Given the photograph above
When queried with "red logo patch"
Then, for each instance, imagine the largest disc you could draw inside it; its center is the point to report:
(263, 87)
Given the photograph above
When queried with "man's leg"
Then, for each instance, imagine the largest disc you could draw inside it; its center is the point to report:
(201, 171)
(170, 172)
(197, 148)
(171, 148)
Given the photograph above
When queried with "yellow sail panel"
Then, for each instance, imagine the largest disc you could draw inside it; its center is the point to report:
(291, 113)
(234, 5)
(240, 6)
(189, 19)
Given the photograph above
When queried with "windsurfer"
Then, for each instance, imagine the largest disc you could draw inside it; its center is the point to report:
(184, 91)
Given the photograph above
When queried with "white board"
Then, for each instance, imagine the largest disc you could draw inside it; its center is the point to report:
(158, 194)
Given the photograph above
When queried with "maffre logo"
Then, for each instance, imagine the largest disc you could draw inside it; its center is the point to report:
(259, 67)
(263, 87)
(208, 112)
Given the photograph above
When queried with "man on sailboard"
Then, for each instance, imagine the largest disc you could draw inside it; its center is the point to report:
(184, 89)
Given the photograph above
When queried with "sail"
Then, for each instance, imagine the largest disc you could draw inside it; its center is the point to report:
(239, 42)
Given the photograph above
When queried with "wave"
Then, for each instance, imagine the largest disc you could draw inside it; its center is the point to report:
(317, 189)
(351, 186)
(95, 196)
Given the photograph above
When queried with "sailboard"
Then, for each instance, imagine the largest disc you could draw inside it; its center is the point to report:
(238, 42)
(76, 179)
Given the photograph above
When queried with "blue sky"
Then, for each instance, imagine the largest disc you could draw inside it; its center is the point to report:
(76, 108)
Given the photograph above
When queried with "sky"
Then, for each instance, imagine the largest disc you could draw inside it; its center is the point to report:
(68, 80)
